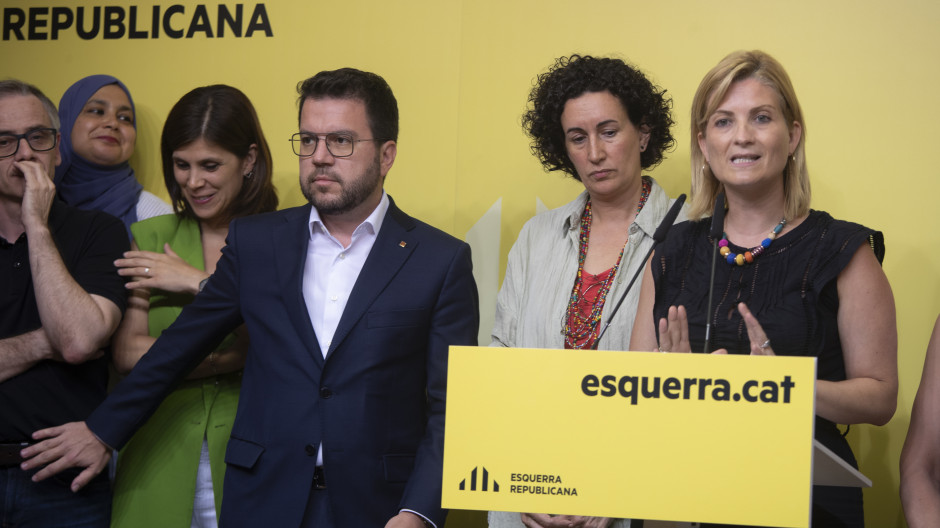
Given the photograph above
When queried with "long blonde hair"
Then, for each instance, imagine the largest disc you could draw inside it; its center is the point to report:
(711, 92)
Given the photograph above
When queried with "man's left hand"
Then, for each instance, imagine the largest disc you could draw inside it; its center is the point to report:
(405, 520)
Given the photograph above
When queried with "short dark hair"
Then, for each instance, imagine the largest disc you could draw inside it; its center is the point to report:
(10, 87)
(224, 116)
(571, 77)
(350, 83)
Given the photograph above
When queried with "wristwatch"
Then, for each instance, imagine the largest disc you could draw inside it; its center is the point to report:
(202, 283)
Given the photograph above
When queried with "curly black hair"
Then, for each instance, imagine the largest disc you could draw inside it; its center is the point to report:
(570, 77)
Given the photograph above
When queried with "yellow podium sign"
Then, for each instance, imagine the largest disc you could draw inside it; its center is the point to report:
(684, 437)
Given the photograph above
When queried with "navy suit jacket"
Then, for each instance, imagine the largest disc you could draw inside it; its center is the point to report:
(376, 401)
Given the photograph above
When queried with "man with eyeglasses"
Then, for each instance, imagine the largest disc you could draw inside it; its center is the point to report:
(60, 300)
(351, 306)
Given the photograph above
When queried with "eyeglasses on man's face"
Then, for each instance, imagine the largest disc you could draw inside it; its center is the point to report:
(39, 139)
(339, 145)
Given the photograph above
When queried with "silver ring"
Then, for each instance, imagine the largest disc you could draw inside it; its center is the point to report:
(765, 345)
(147, 271)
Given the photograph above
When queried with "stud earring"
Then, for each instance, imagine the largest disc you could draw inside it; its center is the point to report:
(249, 175)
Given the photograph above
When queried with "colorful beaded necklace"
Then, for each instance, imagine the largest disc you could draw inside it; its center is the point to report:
(750, 255)
(579, 327)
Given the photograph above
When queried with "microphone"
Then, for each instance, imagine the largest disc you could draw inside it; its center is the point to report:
(718, 226)
(718, 217)
(658, 236)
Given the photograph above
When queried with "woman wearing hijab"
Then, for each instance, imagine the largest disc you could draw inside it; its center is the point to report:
(99, 130)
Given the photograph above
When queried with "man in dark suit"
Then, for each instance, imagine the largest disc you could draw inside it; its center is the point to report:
(351, 306)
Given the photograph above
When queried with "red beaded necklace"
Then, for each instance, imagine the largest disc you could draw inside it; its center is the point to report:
(581, 328)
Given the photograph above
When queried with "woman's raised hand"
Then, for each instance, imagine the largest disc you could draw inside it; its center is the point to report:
(165, 271)
(674, 331)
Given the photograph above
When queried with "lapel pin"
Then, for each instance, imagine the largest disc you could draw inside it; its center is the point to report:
(402, 243)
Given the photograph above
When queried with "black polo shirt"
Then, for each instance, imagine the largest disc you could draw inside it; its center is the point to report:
(53, 392)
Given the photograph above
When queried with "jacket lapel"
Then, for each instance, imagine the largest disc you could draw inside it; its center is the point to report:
(393, 246)
(290, 253)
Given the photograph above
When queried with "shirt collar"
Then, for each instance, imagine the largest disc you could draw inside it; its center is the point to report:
(657, 204)
(648, 220)
(573, 220)
(372, 223)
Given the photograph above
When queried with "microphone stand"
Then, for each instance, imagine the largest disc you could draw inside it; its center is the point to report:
(718, 222)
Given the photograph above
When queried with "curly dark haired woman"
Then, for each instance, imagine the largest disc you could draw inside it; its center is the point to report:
(602, 122)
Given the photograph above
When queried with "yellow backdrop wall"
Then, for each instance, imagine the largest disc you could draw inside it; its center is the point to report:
(866, 72)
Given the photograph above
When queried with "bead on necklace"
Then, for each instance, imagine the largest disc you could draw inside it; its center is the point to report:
(581, 330)
(750, 255)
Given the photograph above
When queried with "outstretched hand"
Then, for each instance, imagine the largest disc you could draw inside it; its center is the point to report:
(674, 331)
(63, 447)
(760, 343)
(166, 271)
